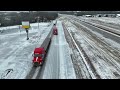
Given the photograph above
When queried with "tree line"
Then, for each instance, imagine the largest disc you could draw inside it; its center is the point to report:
(16, 18)
(42, 16)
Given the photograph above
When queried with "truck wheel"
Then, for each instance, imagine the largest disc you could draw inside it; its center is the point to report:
(41, 63)
(36, 64)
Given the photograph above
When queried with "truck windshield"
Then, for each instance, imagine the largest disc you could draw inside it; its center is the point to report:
(37, 55)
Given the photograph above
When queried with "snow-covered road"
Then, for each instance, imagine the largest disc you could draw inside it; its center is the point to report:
(59, 64)
(103, 55)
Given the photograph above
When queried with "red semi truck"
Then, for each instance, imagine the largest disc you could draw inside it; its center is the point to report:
(41, 52)
(38, 56)
(55, 31)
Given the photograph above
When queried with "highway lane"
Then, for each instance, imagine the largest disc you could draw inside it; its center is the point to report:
(59, 64)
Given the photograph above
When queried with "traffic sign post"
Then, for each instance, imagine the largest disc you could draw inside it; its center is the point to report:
(27, 34)
(26, 26)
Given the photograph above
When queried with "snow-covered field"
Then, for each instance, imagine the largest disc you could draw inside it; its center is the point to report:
(16, 51)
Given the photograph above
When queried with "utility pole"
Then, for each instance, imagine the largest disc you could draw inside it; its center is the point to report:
(20, 30)
(38, 22)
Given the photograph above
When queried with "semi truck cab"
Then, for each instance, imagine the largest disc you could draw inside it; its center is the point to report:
(55, 31)
(38, 56)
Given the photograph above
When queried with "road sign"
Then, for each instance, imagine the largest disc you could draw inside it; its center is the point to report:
(25, 24)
